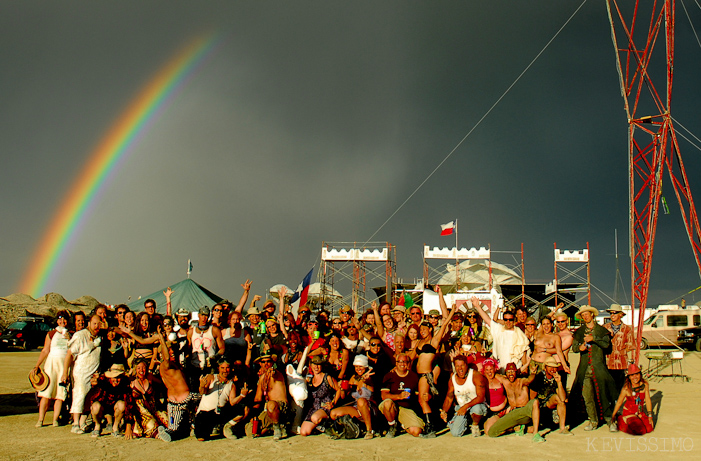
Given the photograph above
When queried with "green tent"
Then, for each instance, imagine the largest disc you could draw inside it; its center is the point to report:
(188, 295)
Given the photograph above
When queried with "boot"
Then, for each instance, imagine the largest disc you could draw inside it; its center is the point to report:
(429, 431)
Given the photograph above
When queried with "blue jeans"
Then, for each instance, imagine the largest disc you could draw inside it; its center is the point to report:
(458, 425)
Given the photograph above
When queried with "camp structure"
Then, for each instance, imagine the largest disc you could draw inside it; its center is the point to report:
(188, 295)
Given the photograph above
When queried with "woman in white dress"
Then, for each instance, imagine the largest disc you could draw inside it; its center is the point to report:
(54, 352)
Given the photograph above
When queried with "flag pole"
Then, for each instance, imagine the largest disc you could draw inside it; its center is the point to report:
(457, 260)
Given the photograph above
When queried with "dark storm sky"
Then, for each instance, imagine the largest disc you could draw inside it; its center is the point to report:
(313, 121)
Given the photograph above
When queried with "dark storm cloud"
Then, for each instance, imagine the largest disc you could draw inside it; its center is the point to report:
(312, 122)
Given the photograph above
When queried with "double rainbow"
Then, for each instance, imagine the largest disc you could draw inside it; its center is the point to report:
(102, 163)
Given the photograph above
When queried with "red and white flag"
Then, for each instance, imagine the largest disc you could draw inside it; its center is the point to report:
(448, 229)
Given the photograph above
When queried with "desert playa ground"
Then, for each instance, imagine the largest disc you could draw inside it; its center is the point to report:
(677, 435)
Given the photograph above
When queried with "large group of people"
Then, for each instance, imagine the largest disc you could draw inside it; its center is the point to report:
(240, 370)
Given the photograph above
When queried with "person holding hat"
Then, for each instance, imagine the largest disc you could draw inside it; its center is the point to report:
(593, 385)
(111, 398)
(551, 393)
(622, 346)
(54, 352)
(635, 404)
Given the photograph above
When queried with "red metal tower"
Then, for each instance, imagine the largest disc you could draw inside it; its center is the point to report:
(652, 142)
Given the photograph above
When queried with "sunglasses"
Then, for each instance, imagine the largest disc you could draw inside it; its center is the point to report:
(266, 361)
(530, 324)
(375, 345)
(510, 319)
(337, 323)
(217, 310)
(561, 321)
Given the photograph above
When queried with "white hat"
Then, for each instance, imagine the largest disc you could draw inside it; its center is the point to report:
(360, 361)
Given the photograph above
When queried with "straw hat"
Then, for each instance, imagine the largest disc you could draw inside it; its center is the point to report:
(38, 379)
(115, 370)
(614, 308)
(591, 309)
(252, 311)
(551, 362)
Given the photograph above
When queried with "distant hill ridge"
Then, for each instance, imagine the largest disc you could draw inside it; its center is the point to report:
(19, 304)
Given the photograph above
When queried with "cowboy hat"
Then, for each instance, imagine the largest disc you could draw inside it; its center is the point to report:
(115, 370)
(614, 308)
(38, 379)
(591, 309)
(551, 362)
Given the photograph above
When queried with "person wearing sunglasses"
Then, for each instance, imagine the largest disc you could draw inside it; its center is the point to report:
(271, 396)
(510, 343)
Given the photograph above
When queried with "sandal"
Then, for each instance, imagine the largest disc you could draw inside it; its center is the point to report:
(117, 434)
(95, 434)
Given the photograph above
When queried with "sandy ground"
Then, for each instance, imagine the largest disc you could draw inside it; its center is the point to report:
(677, 434)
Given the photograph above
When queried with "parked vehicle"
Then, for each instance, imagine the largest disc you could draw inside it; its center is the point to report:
(662, 328)
(690, 338)
(26, 333)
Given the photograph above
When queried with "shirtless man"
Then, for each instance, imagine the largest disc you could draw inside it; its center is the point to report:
(523, 409)
(547, 344)
(469, 388)
(273, 391)
(179, 395)
(566, 336)
(429, 371)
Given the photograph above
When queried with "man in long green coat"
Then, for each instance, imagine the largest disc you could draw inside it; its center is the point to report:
(593, 386)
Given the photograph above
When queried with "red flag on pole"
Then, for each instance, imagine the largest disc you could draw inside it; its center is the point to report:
(448, 229)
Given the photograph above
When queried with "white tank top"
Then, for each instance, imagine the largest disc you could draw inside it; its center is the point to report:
(465, 392)
(59, 345)
(203, 346)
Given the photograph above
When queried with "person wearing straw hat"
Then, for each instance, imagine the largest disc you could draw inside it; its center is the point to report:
(622, 346)
(550, 392)
(593, 387)
(111, 398)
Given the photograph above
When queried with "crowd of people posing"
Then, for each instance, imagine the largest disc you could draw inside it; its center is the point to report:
(393, 368)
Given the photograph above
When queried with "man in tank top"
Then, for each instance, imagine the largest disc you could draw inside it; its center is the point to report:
(468, 388)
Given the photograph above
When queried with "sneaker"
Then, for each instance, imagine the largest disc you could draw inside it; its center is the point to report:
(537, 438)
(613, 427)
(590, 426)
(369, 435)
(283, 431)
(391, 432)
(55, 424)
(228, 431)
(95, 433)
(520, 430)
(556, 416)
(475, 430)
(277, 434)
(163, 434)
